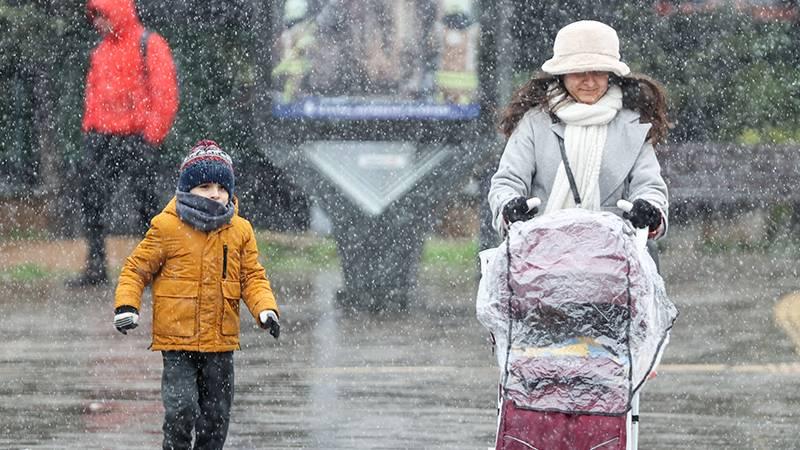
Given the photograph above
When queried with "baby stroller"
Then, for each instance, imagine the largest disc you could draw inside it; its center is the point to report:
(580, 318)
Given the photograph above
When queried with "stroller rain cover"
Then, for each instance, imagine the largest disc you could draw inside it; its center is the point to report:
(579, 312)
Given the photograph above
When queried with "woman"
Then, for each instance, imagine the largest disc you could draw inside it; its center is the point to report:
(588, 106)
(580, 134)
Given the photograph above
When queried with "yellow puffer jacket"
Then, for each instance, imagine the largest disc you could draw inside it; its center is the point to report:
(198, 279)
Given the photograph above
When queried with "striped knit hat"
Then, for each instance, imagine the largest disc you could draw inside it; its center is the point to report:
(206, 163)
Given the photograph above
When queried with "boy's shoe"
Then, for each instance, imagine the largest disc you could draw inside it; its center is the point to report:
(87, 280)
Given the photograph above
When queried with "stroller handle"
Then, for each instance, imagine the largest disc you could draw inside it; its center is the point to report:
(641, 233)
(624, 205)
(533, 202)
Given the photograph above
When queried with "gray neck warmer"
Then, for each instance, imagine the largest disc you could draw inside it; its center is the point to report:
(202, 213)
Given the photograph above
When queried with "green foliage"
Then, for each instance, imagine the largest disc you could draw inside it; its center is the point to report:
(47, 45)
(42, 54)
(450, 253)
(293, 255)
(282, 252)
(25, 273)
(215, 47)
(728, 76)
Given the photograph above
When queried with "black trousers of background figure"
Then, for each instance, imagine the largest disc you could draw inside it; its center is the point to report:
(197, 391)
(106, 158)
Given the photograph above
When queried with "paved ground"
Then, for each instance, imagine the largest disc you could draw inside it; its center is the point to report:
(422, 379)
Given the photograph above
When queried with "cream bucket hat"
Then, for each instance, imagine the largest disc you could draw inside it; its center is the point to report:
(586, 46)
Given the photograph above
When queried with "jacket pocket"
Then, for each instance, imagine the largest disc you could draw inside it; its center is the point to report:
(231, 293)
(175, 307)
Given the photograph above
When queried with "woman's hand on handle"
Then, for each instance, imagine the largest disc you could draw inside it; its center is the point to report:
(520, 208)
(641, 234)
(641, 213)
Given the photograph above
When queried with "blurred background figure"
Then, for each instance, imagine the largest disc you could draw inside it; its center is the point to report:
(295, 42)
(375, 47)
(457, 71)
(131, 99)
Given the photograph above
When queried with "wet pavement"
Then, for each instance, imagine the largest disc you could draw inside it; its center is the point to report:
(424, 378)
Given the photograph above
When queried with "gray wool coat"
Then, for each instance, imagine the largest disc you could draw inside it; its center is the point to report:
(629, 169)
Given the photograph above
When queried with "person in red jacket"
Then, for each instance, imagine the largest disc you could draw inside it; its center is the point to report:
(131, 99)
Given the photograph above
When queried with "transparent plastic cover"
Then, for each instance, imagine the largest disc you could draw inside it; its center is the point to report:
(578, 310)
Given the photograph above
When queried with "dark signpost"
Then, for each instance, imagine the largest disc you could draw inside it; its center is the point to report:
(379, 110)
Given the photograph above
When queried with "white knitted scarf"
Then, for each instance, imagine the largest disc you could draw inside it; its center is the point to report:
(584, 139)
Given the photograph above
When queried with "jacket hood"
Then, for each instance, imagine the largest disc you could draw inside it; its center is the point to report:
(121, 14)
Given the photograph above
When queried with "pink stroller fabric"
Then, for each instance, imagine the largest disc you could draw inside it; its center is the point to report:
(522, 429)
(578, 311)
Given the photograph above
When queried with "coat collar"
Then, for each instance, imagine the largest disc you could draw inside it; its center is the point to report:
(122, 15)
(623, 144)
(625, 137)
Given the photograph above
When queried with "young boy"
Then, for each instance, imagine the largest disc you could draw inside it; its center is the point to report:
(202, 259)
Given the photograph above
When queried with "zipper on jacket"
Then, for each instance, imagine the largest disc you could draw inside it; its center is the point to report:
(224, 261)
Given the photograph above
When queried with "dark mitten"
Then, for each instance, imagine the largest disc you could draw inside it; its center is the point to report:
(644, 214)
(268, 320)
(517, 209)
(126, 318)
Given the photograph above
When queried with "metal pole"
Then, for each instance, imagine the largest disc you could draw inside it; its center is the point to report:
(506, 49)
(635, 421)
(497, 59)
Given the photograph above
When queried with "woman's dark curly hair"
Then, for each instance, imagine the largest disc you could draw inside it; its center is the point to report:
(640, 93)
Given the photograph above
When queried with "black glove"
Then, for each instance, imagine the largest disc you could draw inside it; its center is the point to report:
(643, 214)
(126, 318)
(517, 209)
(268, 320)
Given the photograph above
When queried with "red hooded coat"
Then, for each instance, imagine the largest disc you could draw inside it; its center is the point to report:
(121, 96)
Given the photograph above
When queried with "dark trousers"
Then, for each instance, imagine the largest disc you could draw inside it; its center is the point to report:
(197, 391)
(105, 160)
